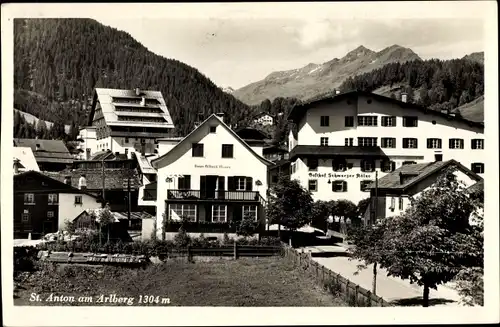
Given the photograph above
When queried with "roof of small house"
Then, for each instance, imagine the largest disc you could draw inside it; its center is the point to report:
(108, 155)
(110, 99)
(417, 172)
(274, 149)
(326, 151)
(52, 151)
(221, 123)
(118, 215)
(26, 158)
(300, 110)
(262, 114)
(479, 186)
(113, 177)
(144, 162)
(249, 133)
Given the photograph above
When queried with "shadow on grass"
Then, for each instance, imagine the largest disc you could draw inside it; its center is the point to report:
(418, 301)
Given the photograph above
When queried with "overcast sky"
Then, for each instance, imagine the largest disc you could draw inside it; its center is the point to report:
(236, 52)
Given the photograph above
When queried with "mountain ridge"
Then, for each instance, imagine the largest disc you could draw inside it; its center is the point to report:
(313, 79)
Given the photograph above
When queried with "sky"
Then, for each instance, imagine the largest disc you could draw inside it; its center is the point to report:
(234, 52)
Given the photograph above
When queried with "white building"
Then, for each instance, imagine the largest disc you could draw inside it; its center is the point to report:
(211, 175)
(394, 190)
(129, 120)
(88, 142)
(337, 144)
(24, 160)
(264, 119)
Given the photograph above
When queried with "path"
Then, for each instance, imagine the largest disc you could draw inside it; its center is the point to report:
(392, 289)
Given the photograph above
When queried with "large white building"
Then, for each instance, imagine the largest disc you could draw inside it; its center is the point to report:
(127, 121)
(337, 144)
(211, 176)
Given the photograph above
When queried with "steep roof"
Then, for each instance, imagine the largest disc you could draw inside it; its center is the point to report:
(113, 178)
(25, 157)
(479, 186)
(334, 150)
(144, 163)
(212, 117)
(110, 99)
(251, 133)
(417, 172)
(300, 110)
(53, 151)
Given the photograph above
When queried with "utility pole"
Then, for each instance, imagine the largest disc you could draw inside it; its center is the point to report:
(127, 187)
(103, 184)
(374, 282)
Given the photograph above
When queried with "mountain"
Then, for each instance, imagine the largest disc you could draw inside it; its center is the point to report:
(314, 79)
(58, 63)
(475, 56)
(473, 110)
(228, 90)
(29, 118)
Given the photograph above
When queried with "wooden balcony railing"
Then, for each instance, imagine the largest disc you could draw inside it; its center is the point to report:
(214, 195)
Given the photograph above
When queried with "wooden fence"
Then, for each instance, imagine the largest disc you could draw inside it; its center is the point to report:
(235, 251)
(352, 293)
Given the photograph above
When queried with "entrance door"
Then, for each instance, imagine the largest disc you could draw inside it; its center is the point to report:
(208, 184)
(48, 227)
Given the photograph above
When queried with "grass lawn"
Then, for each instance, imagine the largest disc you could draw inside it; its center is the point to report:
(242, 282)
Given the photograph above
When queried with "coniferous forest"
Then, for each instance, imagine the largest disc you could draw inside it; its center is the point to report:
(58, 62)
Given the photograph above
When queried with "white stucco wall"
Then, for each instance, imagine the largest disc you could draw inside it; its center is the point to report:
(180, 161)
(68, 210)
(88, 135)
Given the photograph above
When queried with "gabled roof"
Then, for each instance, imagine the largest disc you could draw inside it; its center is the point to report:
(212, 117)
(25, 157)
(113, 177)
(61, 187)
(144, 163)
(251, 133)
(417, 172)
(334, 150)
(54, 151)
(300, 110)
(479, 186)
(110, 99)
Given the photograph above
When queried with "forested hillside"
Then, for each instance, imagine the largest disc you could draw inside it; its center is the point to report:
(437, 84)
(58, 62)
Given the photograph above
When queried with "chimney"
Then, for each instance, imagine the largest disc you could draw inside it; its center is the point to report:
(37, 147)
(143, 101)
(401, 179)
(404, 96)
(82, 182)
(143, 149)
(137, 91)
(221, 116)
(67, 180)
(16, 166)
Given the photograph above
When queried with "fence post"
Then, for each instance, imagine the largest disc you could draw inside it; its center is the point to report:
(369, 295)
(381, 301)
(189, 253)
(235, 251)
(356, 292)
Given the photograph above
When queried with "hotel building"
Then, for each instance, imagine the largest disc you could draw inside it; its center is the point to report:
(212, 176)
(337, 144)
(126, 121)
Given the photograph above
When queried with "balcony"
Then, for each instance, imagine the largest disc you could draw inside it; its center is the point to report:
(197, 195)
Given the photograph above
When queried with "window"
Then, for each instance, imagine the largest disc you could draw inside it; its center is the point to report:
(477, 144)
(178, 211)
(50, 214)
(349, 141)
(274, 179)
(409, 163)
(219, 213)
(410, 143)
(339, 186)
(339, 165)
(126, 140)
(367, 141)
(312, 163)
(393, 203)
(325, 121)
(367, 120)
(242, 183)
(213, 129)
(389, 121)
(364, 185)
(324, 141)
(477, 167)
(52, 198)
(25, 217)
(349, 121)
(410, 121)
(29, 198)
(313, 185)
(433, 143)
(388, 142)
(400, 203)
(438, 157)
(456, 143)
(388, 166)
(249, 211)
(78, 199)
(184, 182)
(227, 150)
(197, 150)
(367, 165)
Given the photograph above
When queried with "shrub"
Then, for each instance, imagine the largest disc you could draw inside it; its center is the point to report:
(247, 226)
(25, 258)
